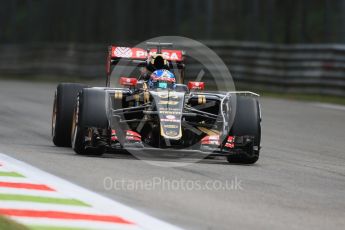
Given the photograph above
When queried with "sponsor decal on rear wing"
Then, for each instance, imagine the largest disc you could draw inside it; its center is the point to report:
(142, 54)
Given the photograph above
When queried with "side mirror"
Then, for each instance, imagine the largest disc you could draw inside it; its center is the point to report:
(196, 85)
(128, 81)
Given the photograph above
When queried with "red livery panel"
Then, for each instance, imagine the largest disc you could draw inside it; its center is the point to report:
(141, 54)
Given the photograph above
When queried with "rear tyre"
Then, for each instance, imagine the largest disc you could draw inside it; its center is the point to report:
(64, 101)
(247, 123)
(89, 115)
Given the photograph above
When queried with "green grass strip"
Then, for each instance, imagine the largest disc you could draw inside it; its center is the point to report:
(39, 199)
(11, 174)
(8, 224)
(46, 227)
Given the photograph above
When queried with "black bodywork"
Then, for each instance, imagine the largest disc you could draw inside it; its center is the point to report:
(171, 119)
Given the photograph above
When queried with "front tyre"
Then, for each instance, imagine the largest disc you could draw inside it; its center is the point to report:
(89, 117)
(247, 123)
(78, 132)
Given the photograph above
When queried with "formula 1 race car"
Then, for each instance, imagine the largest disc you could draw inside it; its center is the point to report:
(154, 111)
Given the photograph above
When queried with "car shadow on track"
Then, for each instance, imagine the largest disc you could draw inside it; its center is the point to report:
(123, 155)
(128, 156)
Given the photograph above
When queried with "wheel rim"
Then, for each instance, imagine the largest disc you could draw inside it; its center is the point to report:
(74, 131)
(74, 127)
(54, 116)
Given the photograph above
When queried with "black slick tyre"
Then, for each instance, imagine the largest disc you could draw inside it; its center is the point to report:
(247, 123)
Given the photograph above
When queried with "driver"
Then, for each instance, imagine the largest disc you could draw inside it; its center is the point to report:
(162, 78)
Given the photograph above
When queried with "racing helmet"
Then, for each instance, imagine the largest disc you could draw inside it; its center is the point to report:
(162, 79)
(157, 62)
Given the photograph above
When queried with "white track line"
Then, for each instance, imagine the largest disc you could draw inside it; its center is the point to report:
(50, 207)
(17, 191)
(98, 202)
(16, 179)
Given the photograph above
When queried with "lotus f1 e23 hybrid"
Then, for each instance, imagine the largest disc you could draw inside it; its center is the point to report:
(155, 111)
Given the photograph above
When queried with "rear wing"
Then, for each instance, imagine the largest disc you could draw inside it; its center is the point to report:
(138, 56)
(135, 53)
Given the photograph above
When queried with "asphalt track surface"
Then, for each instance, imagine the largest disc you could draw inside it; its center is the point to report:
(298, 182)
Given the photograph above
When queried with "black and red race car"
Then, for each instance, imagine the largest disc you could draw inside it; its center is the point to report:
(141, 117)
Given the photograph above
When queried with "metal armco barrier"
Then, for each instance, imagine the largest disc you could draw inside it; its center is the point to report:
(283, 68)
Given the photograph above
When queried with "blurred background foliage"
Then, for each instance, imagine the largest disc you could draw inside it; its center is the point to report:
(91, 21)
